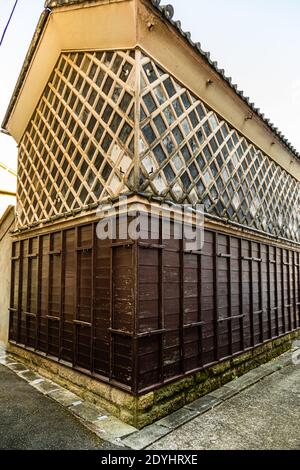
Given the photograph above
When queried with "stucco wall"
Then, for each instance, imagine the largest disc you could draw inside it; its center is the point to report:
(6, 225)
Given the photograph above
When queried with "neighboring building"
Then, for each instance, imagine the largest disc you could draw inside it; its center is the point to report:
(8, 183)
(115, 99)
(7, 221)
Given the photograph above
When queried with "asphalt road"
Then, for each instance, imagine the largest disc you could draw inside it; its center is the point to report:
(31, 421)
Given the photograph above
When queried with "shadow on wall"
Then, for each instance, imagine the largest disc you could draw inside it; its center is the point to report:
(6, 225)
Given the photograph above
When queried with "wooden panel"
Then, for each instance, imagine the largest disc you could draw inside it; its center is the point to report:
(75, 298)
(14, 293)
(68, 314)
(102, 308)
(208, 298)
(22, 338)
(32, 292)
(44, 289)
(54, 298)
(216, 303)
(123, 307)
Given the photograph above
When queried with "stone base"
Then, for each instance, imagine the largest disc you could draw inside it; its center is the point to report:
(148, 408)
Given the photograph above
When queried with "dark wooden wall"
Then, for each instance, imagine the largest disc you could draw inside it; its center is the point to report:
(198, 308)
(141, 314)
(72, 298)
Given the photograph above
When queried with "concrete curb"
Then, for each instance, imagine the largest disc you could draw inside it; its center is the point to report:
(114, 431)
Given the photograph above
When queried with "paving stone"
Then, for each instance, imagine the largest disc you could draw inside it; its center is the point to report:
(250, 378)
(45, 386)
(287, 370)
(17, 367)
(178, 418)
(64, 397)
(87, 411)
(112, 429)
(30, 376)
(7, 360)
(295, 357)
(271, 367)
(260, 373)
(147, 436)
(224, 393)
(284, 360)
(244, 382)
(204, 404)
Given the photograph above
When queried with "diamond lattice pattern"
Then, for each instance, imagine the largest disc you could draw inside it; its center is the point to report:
(189, 154)
(78, 147)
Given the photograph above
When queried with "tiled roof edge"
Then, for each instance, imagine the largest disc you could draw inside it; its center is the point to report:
(29, 56)
(167, 11)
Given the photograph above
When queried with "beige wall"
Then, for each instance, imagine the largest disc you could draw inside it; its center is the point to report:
(6, 224)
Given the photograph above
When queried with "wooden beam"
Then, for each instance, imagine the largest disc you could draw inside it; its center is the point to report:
(4, 192)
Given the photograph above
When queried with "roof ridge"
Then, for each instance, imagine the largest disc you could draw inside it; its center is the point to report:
(167, 11)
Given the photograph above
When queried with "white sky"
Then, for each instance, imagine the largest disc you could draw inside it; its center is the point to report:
(255, 41)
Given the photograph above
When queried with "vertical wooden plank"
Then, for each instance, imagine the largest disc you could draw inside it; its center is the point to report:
(261, 295)
(135, 345)
(38, 297)
(49, 290)
(14, 291)
(251, 296)
(269, 290)
(28, 293)
(200, 315)
(75, 299)
(298, 290)
(290, 295)
(161, 303)
(230, 323)
(93, 320)
(277, 291)
(62, 290)
(182, 306)
(12, 314)
(297, 294)
(216, 298)
(20, 291)
(282, 290)
(242, 329)
(111, 310)
(294, 260)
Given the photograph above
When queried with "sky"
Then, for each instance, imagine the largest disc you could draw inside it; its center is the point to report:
(256, 41)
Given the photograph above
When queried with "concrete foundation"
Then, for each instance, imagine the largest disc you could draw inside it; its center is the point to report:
(148, 408)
